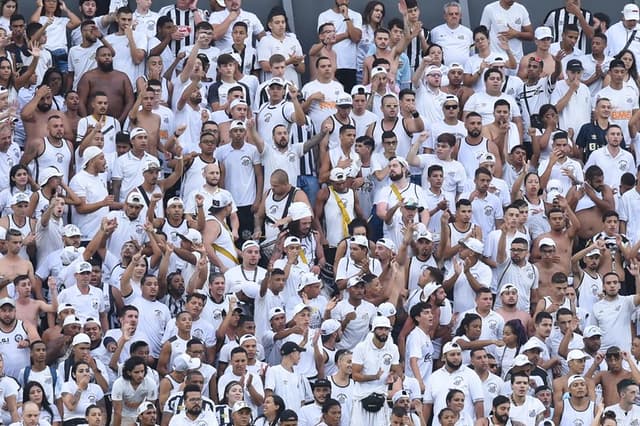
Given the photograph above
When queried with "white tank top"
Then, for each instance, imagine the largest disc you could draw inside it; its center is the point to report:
(14, 358)
(416, 266)
(42, 206)
(270, 116)
(192, 179)
(224, 241)
(172, 232)
(573, 417)
(548, 302)
(404, 139)
(333, 215)
(24, 230)
(469, 155)
(455, 235)
(588, 291)
(334, 135)
(274, 210)
(58, 157)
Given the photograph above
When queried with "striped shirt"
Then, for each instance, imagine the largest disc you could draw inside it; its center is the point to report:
(300, 134)
(557, 19)
(182, 19)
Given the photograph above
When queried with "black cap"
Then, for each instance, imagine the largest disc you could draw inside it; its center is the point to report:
(288, 415)
(613, 350)
(321, 383)
(574, 65)
(289, 348)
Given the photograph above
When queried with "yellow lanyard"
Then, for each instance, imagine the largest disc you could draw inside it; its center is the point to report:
(343, 211)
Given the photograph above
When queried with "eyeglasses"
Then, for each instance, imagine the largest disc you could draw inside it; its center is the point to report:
(450, 107)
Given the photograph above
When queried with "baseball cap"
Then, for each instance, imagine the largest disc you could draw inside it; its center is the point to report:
(613, 350)
(386, 242)
(248, 244)
(386, 309)
(487, 157)
(532, 344)
(433, 69)
(63, 306)
(631, 12)
(89, 154)
(151, 165)
(450, 347)
(591, 331)
(380, 322)
(344, 99)
(574, 378)
(239, 406)
(377, 71)
(246, 338)
(290, 347)
(7, 301)
(543, 32)
(321, 383)
(422, 233)
(498, 60)
(83, 267)
(19, 197)
(402, 161)
(299, 308)
(276, 80)
(145, 406)
(520, 361)
(71, 230)
(80, 338)
(329, 326)
(594, 252)
(575, 65)
(275, 311)
(546, 242)
(359, 89)
(552, 194)
(576, 354)
(338, 174)
(410, 203)
(137, 131)
(451, 98)
(221, 199)
(236, 57)
(135, 199)
(299, 210)
(47, 174)
(360, 240)
(237, 124)
(92, 320)
(429, 289)
(306, 279)
(288, 416)
(473, 244)
(191, 235)
(291, 240)
(175, 200)
(69, 320)
(184, 362)
(354, 281)
(508, 287)
(399, 395)
(239, 101)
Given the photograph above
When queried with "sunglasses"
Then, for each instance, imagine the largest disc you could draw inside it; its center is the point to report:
(450, 107)
(535, 59)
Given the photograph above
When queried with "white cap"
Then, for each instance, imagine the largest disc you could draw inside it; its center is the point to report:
(451, 98)
(329, 326)
(486, 157)
(19, 197)
(306, 279)
(47, 174)
(221, 199)
(299, 210)
(69, 320)
(338, 174)
(422, 232)
(151, 165)
(145, 406)
(246, 338)
(402, 162)
(7, 301)
(240, 405)
(248, 244)
(276, 80)
(192, 235)
(135, 199)
(354, 281)
(631, 12)
(82, 267)
(80, 338)
(450, 347)
(508, 287)
(359, 89)
(275, 311)
(592, 330)
(542, 33)
(299, 308)
(552, 194)
(71, 230)
(237, 124)
(429, 289)
(520, 361)
(380, 322)
(594, 252)
(378, 70)
(531, 344)
(344, 99)
(64, 306)
(137, 131)
(473, 244)
(575, 378)
(386, 309)
(498, 60)
(576, 354)
(184, 362)
(433, 69)
(546, 242)
(388, 243)
(236, 57)
(175, 200)
(236, 102)
(360, 240)
(291, 240)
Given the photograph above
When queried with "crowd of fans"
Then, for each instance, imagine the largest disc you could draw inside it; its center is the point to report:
(204, 223)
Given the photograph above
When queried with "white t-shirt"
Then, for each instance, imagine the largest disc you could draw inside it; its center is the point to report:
(419, 346)
(613, 318)
(124, 392)
(455, 42)
(498, 19)
(442, 380)
(92, 395)
(123, 61)
(318, 111)
(346, 50)
(253, 23)
(239, 171)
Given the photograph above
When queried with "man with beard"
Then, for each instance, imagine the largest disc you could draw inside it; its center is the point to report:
(14, 338)
(95, 200)
(279, 154)
(508, 302)
(376, 360)
(128, 168)
(153, 189)
(108, 125)
(130, 45)
(500, 414)
(247, 276)
(114, 83)
(193, 413)
(596, 197)
(194, 164)
(36, 112)
(82, 57)
(526, 408)
(130, 225)
(311, 414)
(453, 375)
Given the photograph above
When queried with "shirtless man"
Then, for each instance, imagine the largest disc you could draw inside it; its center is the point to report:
(142, 115)
(564, 226)
(35, 112)
(115, 84)
(576, 360)
(12, 265)
(609, 379)
(548, 265)
(27, 309)
(543, 39)
(55, 330)
(383, 50)
(71, 116)
(617, 245)
(456, 86)
(591, 201)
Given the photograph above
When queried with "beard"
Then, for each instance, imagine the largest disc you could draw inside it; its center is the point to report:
(105, 66)
(195, 411)
(502, 419)
(44, 107)
(452, 365)
(395, 177)
(382, 338)
(475, 133)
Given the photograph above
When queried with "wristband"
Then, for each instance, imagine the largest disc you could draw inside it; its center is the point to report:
(346, 19)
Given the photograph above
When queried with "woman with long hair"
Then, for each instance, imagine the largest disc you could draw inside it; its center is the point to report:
(631, 67)
(8, 8)
(19, 181)
(484, 56)
(233, 393)
(78, 394)
(514, 336)
(372, 18)
(468, 336)
(272, 407)
(34, 392)
(53, 78)
(455, 402)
